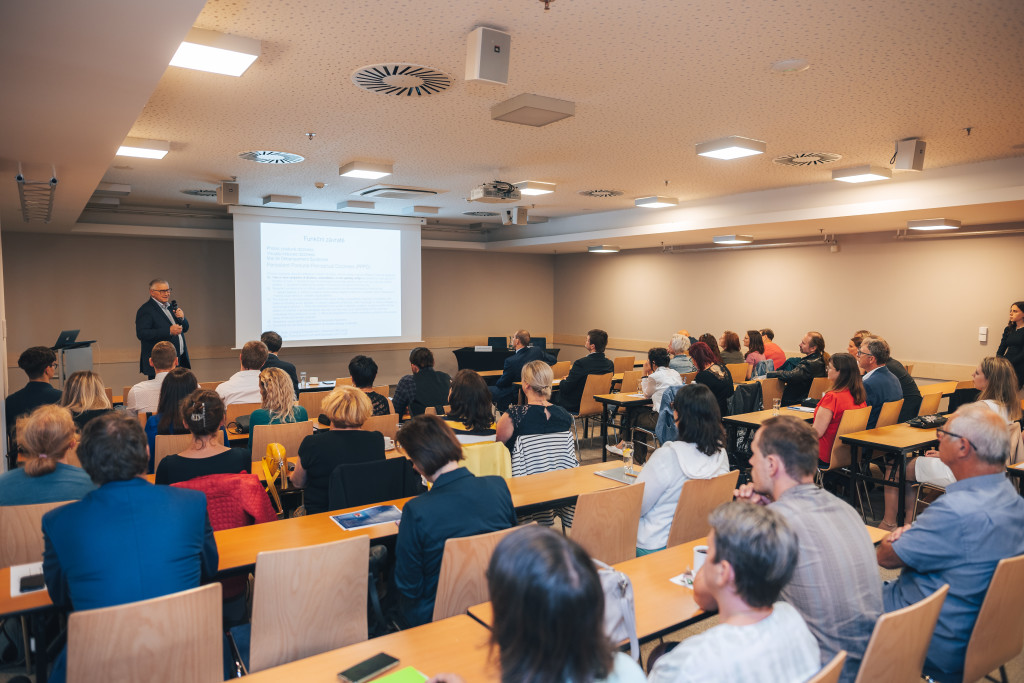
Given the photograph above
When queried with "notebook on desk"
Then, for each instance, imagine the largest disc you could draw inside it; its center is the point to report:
(618, 474)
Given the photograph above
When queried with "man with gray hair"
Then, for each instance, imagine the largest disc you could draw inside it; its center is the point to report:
(678, 346)
(960, 538)
(160, 319)
(880, 385)
(835, 586)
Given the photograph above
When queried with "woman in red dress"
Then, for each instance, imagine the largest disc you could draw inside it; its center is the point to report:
(847, 392)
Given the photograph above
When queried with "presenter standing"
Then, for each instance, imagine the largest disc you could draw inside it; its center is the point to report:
(156, 322)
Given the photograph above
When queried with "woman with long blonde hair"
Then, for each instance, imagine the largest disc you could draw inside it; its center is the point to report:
(85, 396)
(45, 436)
(279, 404)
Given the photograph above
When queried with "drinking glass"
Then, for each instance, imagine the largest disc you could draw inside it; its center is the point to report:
(302, 380)
(776, 404)
(627, 457)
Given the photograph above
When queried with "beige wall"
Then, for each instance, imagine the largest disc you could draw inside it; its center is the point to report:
(96, 284)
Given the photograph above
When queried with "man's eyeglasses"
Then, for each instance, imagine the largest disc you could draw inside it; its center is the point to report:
(163, 291)
(864, 353)
(943, 432)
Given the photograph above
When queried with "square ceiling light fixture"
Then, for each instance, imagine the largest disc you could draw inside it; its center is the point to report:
(353, 204)
(365, 169)
(733, 239)
(142, 148)
(603, 249)
(655, 202)
(733, 147)
(535, 187)
(934, 224)
(533, 110)
(861, 174)
(216, 53)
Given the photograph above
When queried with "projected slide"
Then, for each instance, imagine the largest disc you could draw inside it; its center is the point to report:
(322, 283)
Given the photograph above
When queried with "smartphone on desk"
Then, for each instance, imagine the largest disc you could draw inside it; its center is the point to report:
(32, 582)
(368, 668)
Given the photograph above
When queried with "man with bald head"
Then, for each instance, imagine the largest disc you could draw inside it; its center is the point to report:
(505, 390)
(155, 321)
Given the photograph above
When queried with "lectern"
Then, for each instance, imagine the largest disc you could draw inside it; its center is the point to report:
(72, 355)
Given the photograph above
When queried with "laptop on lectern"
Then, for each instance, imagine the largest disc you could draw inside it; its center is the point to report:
(66, 338)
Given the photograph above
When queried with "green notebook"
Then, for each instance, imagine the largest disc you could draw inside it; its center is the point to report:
(407, 675)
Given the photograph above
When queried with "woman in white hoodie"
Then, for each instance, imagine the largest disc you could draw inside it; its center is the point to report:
(698, 454)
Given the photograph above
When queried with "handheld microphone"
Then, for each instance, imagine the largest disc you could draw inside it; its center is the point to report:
(172, 307)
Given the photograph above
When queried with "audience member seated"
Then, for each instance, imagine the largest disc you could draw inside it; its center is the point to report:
(772, 351)
(363, 371)
(144, 396)
(458, 504)
(752, 553)
(471, 416)
(755, 353)
(128, 540)
(713, 375)
(657, 377)
(855, 341)
(699, 453)
(85, 396)
(203, 413)
(730, 345)
(549, 613)
(847, 393)
(273, 342)
(39, 363)
(960, 537)
(798, 380)
(679, 348)
(505, 390)
(880, 385)
(45, 436)
(425, 387)
(278, 399)
(911, 394)
(570, 389)
(712, 344)
(244, 385)
(344, 443)
(178, 385)
(835, 586)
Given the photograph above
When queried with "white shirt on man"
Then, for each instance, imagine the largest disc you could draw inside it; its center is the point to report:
(144, 396)
(243, 387)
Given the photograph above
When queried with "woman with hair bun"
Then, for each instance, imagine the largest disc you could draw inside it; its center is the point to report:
(45, 436)
(203, 413)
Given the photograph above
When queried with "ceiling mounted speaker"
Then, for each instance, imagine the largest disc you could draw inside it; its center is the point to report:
(487, 53)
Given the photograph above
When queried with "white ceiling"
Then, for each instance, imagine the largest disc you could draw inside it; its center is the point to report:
(650, 79)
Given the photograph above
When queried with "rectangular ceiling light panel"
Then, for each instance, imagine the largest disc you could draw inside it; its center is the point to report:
(533, 110)
(215, 52)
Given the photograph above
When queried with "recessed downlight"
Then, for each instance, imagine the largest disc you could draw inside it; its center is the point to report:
(603, 249)
(655, 202)
(365, 169)
(733, 147)
(790, 66)
(534, 187)
(143, 148)
(934, 224)
(861, 174)
(218, 53)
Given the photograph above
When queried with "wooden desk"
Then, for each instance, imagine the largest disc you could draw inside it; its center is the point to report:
(757, 418)
(12, 605)
(458, 644)
(559, 488)
(619, 400)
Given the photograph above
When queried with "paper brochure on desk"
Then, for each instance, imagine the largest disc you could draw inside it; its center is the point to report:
(372, 516)
(685, 579)
(19, 571)
(407, 675)
(802, 409)
(619, 474)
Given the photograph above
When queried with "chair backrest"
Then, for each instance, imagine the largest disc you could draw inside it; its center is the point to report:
(367, 483)
(606, 522)
(110, 394)
(288, 434)
(938, 387)
(623, 363)
(595, 384)
(462, 582)
(234, 411)
(819, 385)
(910, 368)
(771, 389)
(143, 418)
(169, 444)
(900, 641)
(855, 420)
(383, 390)
(212, 386)
(385, 424)
(21, 532)
(487, 458)
(308, 600)
(688, 377)
(929, 404)
(631, 381)
(311, 400)
(344, 382)
(175, 637)
(560, 370)
(831, 671)
(124, 395)
(998, 634)
(696, 501)
(738, 372)
(889, 414)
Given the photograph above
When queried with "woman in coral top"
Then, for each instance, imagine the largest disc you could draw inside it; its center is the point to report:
(847, 392)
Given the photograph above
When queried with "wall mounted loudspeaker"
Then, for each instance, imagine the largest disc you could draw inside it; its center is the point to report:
(487, 54)
(514, 216)
(909, 155)
(227, 193)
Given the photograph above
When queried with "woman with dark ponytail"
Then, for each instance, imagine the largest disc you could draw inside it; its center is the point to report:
(45, 436)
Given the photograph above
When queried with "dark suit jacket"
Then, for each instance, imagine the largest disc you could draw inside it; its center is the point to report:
(881, 387)
(798, 380)
(505, 389)
(274, 362)
(152, 326)
(570, 389)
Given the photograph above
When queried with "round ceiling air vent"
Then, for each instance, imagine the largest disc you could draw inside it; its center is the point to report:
(200, 193)
(269, 157)
(402, 79)
(807, 159)
(481, 213)
(600, 193)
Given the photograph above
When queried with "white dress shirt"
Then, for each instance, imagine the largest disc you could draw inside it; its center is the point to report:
(144, 396)
(243, 387)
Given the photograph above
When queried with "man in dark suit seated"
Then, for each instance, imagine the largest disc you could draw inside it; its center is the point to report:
(273, 341)
(156, 322)
(505, 390)
(798, 380)
(570, 389)
(880, 385)
(39, 363)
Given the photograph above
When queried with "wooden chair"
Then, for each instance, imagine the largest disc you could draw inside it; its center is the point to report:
(343, 382)
(929, 404)
(175, 637)
(311, 400)
(560, 370)
(212, 386)
(855, 420)
(143, 418)
(383, 390)
(738, 371)
(819, 385)
(124, 395)
(696, 501)
(910, 368)
(110, 394)
(831, 671)
(890, 413)
(288, 434)
(169, 444)
(385, 424)
(595, 385)
(631, 381)
(771, 389)
(938, 388)
(462, 582)
(998, 634)
(623, 363)
(235, 410)
(22, 539)
(606, 522)
(308, 600)
(688, 377)
(900, 641)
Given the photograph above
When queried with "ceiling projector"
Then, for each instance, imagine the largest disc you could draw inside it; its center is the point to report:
(495, 192)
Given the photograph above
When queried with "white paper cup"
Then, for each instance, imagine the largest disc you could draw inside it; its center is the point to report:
(700, 553)
(314, 380)
(389, 443)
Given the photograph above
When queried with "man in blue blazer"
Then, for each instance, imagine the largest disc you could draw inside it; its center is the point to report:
(128, 540)
(505, 390)
(156, 322)
(880, 385)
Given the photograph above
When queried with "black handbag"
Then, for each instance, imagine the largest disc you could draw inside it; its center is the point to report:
(927, 421)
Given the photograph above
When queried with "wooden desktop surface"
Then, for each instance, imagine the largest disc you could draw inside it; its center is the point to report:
(757, 418)
(18, 604)
(458, 644)
(621, 399)
(897, 438)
